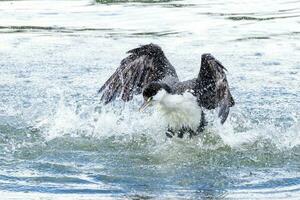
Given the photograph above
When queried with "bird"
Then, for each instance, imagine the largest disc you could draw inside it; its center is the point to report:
(147, 71)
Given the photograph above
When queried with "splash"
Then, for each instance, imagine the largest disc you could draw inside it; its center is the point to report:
(123, 123)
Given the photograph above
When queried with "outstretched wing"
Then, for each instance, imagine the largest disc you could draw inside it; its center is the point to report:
(213, 86)
(145, 64)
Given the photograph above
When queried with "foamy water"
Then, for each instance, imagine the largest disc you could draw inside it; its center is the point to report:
(58, 141)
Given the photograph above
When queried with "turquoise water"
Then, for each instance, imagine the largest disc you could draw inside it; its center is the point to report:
(58, 142)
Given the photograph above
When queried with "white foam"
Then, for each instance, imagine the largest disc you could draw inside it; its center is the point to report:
(123, 119)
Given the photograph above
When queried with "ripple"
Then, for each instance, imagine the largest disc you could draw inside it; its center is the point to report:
(132, 1)
(248, 18)
(57, 141)
(106, 32)
(50, 28)
(253, 38)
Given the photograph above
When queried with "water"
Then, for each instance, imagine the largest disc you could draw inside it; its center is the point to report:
(58, 142)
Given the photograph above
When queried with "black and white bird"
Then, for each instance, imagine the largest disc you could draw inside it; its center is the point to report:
(147, 70)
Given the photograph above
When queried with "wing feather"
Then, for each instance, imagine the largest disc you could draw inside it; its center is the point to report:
(213, 86)
(145, 64)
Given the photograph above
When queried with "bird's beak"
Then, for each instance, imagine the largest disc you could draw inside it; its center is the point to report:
(145, 105)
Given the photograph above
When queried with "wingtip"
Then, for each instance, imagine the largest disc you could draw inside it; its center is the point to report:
(100, 90)
(207, 57)
(150, 48)
(223, 114)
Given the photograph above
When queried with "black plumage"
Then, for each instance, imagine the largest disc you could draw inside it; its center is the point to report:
(147, 65)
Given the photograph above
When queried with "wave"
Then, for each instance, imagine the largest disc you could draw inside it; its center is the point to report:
(120, 127)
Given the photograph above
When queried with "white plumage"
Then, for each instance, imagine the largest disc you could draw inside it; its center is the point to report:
(179, 110)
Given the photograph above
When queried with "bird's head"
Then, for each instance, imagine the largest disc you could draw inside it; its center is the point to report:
(153, 93)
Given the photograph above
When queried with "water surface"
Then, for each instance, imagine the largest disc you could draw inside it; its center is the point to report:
(58, 142)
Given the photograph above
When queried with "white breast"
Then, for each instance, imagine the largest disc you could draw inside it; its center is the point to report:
(180, 110)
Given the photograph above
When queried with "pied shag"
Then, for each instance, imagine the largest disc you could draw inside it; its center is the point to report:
(147, 70)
